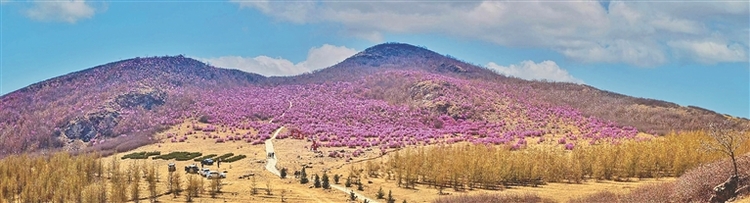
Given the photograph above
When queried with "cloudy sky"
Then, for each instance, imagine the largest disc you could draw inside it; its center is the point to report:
(690, 53)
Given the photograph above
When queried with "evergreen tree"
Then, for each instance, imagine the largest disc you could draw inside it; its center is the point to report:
(317, 181)
(336, 178)
(390, 197)
(348, 182)
(303, 177)
(283, 173)
(381, 194)
(326, 184)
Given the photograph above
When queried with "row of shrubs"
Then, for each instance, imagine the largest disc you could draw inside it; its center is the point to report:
(234, 158)
(179, 156)
(223, 157)
(184, 156)
(205, 157)
(140, 155)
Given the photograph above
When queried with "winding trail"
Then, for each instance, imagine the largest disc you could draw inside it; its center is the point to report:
(271, 162)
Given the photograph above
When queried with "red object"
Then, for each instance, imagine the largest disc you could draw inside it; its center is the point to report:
(297, 134)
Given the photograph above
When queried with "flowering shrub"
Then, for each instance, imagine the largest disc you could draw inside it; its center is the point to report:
(409, 100)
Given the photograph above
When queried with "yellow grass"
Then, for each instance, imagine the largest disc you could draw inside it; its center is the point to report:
(292, 155)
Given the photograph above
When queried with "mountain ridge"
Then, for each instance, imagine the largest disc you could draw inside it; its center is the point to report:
(140, 96)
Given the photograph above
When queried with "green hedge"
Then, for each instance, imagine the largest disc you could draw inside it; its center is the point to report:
(205, 157)
(234, 158)
(224, 156)
(179, 156)
(140, 155)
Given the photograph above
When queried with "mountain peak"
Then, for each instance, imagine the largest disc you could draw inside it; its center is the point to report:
(395, 49)
(404, 56)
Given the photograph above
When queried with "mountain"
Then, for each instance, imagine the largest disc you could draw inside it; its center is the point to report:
(390, 95)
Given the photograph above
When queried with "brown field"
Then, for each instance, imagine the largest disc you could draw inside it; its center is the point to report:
(292, 154)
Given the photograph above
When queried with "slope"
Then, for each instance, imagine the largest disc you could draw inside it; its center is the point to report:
(387, 96)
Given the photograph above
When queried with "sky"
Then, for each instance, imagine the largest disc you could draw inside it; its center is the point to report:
(687, 52)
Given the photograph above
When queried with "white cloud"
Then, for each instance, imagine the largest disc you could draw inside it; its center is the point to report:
(68, 11)
(317, 58)
(546, 70)
(711, 52)
(625, 32)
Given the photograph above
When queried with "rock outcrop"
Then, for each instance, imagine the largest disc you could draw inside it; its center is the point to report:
(147, 100)
(92, 125)
(726, 190)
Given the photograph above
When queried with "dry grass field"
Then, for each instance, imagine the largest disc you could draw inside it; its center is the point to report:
(293, 154)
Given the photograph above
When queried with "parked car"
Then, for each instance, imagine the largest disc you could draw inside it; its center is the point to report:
(172, 167)
(208, 162)
(204, 171)
(215, 174)
(192, 168)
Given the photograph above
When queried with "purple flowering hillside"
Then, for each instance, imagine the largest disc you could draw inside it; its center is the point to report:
(388, 96)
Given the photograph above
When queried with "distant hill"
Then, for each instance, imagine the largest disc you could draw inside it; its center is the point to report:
(389, 95)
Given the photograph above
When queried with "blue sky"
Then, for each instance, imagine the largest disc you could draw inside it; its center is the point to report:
(690, 53)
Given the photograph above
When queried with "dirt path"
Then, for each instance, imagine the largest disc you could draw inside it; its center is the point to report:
(271, 160)
(347, 191)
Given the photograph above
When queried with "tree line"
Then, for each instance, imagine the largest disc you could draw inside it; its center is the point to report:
(61, 177)
(462, 166)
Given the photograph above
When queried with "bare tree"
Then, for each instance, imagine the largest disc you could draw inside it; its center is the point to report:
(193, 188)
(254, 185)
(268, 187)
(727, 140)
(215, 186)
(283, 195)
(151, 180)
(135, 180)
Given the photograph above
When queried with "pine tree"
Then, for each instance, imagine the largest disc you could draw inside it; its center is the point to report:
(380, 194)
(326, 184)
(359, 186)
(390, 197)
(348, 182)
(336, 178)
(317, 181)
(283, 173)
(303, 177)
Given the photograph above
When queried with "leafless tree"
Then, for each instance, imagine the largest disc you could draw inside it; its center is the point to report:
(727, 140)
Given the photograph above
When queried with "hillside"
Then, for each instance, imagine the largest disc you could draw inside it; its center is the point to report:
(388, 96)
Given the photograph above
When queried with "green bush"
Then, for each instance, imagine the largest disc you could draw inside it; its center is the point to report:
(140, 155)
(234, 158)
(224, 156)
(179, 156)
(205, 157)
